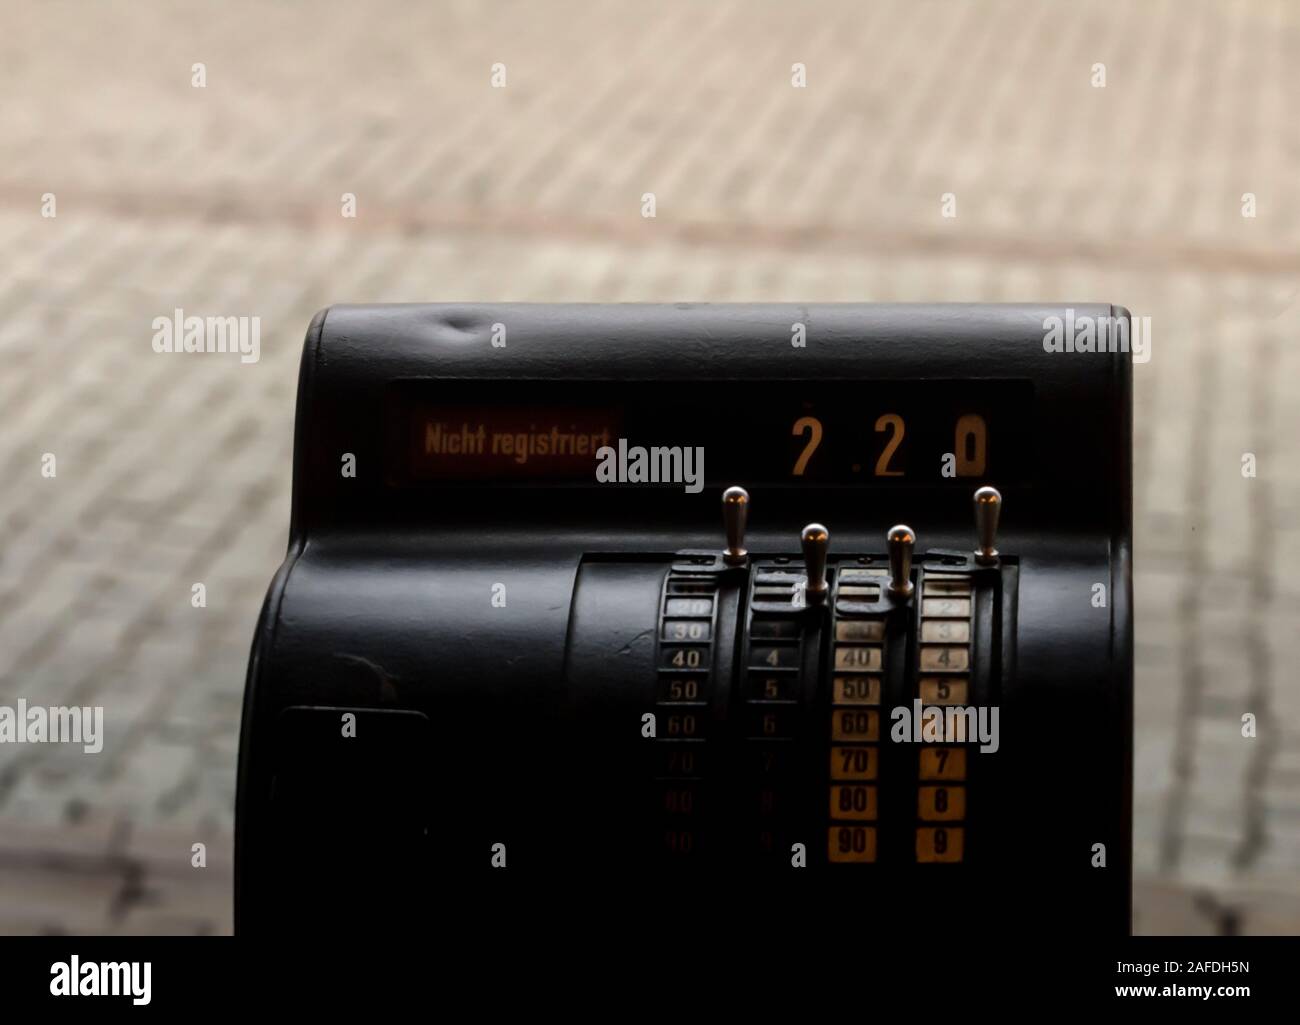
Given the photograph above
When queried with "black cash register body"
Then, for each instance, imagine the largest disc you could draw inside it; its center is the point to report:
(510, 641)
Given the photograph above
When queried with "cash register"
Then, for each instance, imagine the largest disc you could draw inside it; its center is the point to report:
(823, 600)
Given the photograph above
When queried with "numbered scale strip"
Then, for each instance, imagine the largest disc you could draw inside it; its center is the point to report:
(945, 661)
(778, 641)
(684, 688)
(858, 664)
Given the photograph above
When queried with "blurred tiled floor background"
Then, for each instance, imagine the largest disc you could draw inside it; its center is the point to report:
(225, 200)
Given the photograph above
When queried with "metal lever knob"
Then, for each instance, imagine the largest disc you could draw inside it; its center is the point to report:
(816, 541)
(988, 506)
(735, 511)
(901, 541)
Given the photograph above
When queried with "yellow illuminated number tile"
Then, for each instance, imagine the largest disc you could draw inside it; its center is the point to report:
(939, 843)
(856, 690)
(679, 801)
(944, 690)
(935, 586)
(683, 725)
(956, 608)
(860, 630)
(936, 658)
(941, 804)
(687, 658)
(853, 802)
(681, 688)
(849, 657)
(855, 725)
(689, 607)
(679, 841)
(680, 761)
(853, 762)
(943, 763)
(949, 631)
(859, 575)
(846, 844)
(686, 630)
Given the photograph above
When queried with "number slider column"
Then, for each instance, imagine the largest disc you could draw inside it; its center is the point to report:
(687, 631)
(860, 610)
(944, 665)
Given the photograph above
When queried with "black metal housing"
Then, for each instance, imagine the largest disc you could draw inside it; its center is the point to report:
(519, 725)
